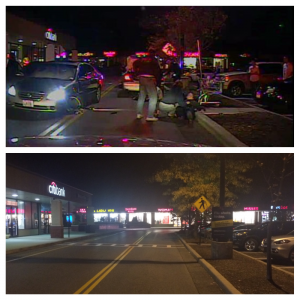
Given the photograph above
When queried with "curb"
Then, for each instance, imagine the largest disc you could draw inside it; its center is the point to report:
(52, 243)
(220, 133)
(226, 286)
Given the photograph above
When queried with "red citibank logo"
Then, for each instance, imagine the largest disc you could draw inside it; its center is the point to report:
(55, 190)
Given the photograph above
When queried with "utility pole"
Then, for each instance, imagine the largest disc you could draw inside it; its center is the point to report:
(222, 180)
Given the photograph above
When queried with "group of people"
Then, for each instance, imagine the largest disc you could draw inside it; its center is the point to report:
(254, 71)
(150, 76)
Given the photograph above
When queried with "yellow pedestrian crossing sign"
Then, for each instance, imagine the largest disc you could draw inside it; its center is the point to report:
(202, 204)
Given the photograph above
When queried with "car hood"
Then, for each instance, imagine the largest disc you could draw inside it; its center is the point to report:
(233, 73)
(93, 141)
(40, 85)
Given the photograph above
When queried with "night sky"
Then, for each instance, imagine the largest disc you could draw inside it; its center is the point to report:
(248, 29)
(122, 180)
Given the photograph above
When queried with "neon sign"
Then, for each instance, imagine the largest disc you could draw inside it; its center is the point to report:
(139, 54)
(279, 207)
(50, 35)
(221, 55)
(131, 209)
(104, 210)
(250, 208)
(53, 189)
(109, 53)
(165, 209)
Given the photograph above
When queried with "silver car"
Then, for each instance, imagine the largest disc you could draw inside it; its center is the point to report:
(282, 246)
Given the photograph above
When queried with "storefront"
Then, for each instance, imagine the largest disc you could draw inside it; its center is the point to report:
(255, 214)
(156, 218)
(38, 205)
(30, 42)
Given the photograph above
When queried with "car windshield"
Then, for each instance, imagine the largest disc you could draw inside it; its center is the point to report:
(53, 71)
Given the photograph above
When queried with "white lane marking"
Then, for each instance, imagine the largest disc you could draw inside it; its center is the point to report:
(98, 244)
(113, 245)
(169, 246)
(140, 245)
(54, 126)
(154, 245)
(126, 245)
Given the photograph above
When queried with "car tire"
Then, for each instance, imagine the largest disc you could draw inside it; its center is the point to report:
(291, 256)
(236, 89)
(251, 245)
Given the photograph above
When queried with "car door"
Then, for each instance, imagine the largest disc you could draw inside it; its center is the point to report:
(87, 83)
(270, 73)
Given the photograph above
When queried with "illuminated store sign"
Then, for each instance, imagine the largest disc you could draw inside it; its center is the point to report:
(250, 208)
(53, 189)
(221, 55)
(165, 209)
(50, 35)
(11, 203)
(131, 209)
(279, 207)
(103, 210)
(109, 53)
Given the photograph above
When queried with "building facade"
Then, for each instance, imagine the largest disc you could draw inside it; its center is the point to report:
(39, 205)
(29, 41)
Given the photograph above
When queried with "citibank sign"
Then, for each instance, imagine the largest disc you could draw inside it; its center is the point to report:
(55, 190)
(51, 36)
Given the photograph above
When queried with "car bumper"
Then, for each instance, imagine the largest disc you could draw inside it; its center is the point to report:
(42, 105)
(131, 86)
(280, 252)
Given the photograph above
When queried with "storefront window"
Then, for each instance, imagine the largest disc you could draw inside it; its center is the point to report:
(21, 215)
(113, 217)
(101, 217)
(27, 209)
(149, 221)
(139, 216)
(34, 216)
(163, 218)
(123, 218)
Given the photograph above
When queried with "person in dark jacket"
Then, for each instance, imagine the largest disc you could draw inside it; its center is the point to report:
(149, 73)
(172, 99)
(12, 68)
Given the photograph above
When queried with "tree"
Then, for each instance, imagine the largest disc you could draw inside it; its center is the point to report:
(188, 23)
(190, 176)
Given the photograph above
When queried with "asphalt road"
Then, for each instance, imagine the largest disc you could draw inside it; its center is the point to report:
(112, 117)
(150, 261)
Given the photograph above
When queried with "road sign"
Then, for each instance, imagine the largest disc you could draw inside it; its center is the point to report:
(202, 204)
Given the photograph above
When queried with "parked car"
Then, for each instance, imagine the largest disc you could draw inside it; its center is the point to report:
(278, 96)
(282, 246)
(251, 240)
(51, 86)
(235, 84)
(241, 230)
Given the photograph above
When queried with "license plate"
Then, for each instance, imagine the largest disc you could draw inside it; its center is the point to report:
(27, 103)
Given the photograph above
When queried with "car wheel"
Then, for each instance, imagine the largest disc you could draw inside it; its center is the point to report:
(251, 245)
(291, 256)
(98, 94)
(236, 90)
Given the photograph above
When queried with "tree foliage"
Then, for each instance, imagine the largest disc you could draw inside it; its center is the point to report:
(191, 23)
(190, 176)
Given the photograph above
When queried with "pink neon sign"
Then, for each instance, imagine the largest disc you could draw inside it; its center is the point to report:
(82, 210)
(131, 209)
(110, 53)
(165, 209)
(250, 208)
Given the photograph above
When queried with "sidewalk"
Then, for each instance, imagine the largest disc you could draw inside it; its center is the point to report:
(17, 244)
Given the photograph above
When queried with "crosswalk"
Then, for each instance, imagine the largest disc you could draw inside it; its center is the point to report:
(125, 245)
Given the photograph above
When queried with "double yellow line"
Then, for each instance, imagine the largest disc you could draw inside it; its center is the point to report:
(66, 121)
(92, 283)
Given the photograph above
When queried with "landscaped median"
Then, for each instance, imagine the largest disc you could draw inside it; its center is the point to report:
(247, 275)
(252, 126)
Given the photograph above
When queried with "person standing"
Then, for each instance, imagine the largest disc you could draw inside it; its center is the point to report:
(254, 77)
(149, 73)
(12, 68)
(288, 69)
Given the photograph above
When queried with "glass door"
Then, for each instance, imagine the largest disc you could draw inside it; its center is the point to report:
(11, 221)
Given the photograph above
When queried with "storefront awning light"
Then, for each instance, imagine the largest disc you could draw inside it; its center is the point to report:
(14, 195)
(37, 199)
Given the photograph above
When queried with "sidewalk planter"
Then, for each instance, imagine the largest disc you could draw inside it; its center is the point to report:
(221, 250)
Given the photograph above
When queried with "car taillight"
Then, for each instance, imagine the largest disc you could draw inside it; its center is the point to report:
(127, 77)
(226, 78)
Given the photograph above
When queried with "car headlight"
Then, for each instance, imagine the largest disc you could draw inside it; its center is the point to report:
(282, 242)
(12, 91)
(59, 94)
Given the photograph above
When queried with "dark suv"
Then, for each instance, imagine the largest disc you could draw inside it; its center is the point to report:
(251, 240)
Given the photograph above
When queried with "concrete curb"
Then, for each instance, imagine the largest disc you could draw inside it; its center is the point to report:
(220, 133)
(226, 286)
(52, 243)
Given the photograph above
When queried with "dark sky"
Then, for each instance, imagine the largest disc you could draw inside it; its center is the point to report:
(248, 29)
(122, 180)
